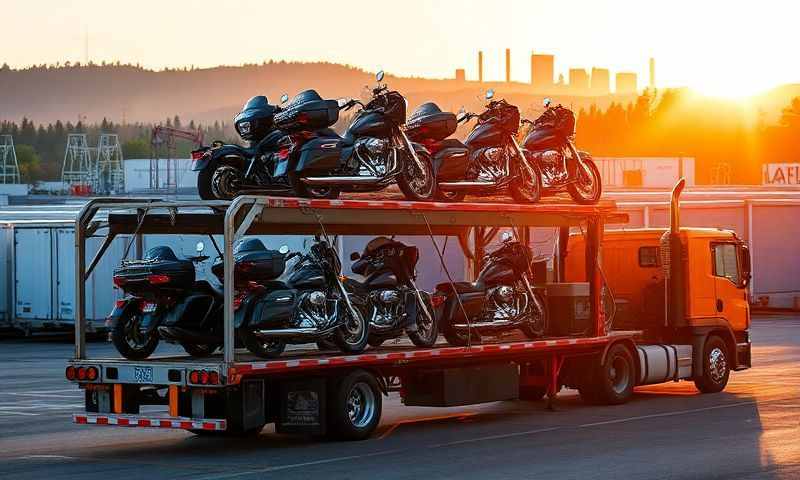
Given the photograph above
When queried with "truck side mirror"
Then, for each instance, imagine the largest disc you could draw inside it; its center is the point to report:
(746, 266)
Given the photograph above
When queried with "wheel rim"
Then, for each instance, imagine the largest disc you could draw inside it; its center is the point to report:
(586, 183)
(421, 185)
(619, 374)
(134, 336)
(354, 328)
(361, 405)
(528, 186)
(226, 182)
(717, 365)
(536, 319)
(271, 345)
(425, 324)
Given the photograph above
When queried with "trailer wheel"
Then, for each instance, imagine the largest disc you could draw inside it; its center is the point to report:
(716, 367)
(611, 383)
(354, 406)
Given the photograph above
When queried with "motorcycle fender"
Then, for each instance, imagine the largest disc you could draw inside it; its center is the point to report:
(119, 309)
(216, 156)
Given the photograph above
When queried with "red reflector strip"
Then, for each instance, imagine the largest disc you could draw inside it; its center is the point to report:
(123, 420)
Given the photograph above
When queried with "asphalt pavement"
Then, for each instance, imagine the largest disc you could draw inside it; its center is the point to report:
(750, 431)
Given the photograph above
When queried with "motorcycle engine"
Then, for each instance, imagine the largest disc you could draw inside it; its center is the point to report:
(374, 152)
(551, 162)
(312, 312)
(386, 308)
(491, 164)
(503, 303)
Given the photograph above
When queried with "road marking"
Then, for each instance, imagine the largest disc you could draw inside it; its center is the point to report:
(495, 437)
(44, 457)
(43, 395)
(9, 413)
(667, 414)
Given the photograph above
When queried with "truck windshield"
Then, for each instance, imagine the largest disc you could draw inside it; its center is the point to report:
(726, 261)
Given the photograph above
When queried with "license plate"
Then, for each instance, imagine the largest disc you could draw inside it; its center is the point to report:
(149, 307)
(143, 374)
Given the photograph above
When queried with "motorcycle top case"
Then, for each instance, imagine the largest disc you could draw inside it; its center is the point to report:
(134, 275)
(307, 111)
(259, 113)
(429, 122)
(254, 263)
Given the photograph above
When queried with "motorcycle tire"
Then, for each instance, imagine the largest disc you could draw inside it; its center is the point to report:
(575, 189)
(260, 348)
(425, 337)
(524, 189)
(129, 341)
(326, 344)
(199, 351)
(451, 197)
(375, 342)
(222, 178)
(407, 180)
(353, 335)
(540, 329)
(204, 185)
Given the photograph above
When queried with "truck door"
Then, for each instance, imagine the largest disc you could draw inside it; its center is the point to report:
(731, 302)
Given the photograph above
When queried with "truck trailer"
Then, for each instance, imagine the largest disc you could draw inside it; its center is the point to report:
(339, 395)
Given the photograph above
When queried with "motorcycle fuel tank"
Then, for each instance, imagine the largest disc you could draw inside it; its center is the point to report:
(307, 277)
(485, 135)
(541, 139)
(370, 124)
(381, 279)
(497, 273)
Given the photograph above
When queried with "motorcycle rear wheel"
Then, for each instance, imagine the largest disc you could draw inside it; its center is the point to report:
(588, 186)
(225, 182)
(129, 340)
(525, 189)
(204, 185)
(262, 348)
(199, 351)
(418, 186)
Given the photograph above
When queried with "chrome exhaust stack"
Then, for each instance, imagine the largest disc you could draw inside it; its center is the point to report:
(456, 186)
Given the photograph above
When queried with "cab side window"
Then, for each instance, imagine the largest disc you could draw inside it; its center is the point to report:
(649, 257)
(726, 261)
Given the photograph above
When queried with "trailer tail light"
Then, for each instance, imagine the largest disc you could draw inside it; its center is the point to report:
(158, 279)
(119, 281)
(82, 374)
(91, 374)
(71, 373)
(204, 377)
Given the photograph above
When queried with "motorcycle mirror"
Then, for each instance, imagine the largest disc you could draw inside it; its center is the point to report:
(546, 102)
(379, 76)
(354, 256)
(490, 94)
(283, 250)
(284, 98)
(342, 102)
(199, 247)
(507, 236)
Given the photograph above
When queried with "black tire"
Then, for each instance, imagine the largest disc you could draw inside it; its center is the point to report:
(326, 344)
(426, 334)
(587, 187)
(716, 366)
(453, 197)
(129, 341)
(454, 337)
(204, 185)
(375, 342)
(353, 335)
(613, 381)
(525, 189)
(224, 179)
(538, 328)
(199, 351)
(261, 348)
(418, 186)
(304, 191)
(354, 406)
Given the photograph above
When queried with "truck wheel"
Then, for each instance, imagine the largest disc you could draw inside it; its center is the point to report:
(355, 406)
(716, 369)
(612, 382)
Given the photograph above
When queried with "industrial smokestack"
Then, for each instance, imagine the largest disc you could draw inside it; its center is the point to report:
(480, 66)
(508, 65)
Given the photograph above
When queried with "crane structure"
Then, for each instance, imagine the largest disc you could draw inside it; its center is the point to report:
(93, 169)
(162, 147)
(9, 167)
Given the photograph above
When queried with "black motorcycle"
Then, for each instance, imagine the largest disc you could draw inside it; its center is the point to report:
(550, 144)
(160, 288)
(311, 305)
(395, 303)
(255, 269)
(227, 170)
(495, 163)
(374, 152)
(501, 299)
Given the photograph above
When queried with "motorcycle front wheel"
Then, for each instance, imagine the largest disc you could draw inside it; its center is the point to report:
(416, 185)
(535, 325)
(525, 189)
(353, 335)
(427, 329)
(129, 339)
(262, 348)
(587, 187)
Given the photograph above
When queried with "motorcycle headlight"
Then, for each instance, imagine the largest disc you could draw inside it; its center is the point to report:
(244, 128)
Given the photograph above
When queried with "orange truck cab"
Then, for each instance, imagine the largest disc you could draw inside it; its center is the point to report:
(683, 288)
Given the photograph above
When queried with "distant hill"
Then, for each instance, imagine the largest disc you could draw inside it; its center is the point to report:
(117, 92)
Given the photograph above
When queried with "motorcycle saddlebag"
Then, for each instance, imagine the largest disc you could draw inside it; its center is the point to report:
(307, 111)
(275, 309)
(428, 121)
(320, 157)
(451, 160)
(159, 268)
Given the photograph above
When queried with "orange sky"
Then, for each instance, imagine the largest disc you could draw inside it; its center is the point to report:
(726, 48)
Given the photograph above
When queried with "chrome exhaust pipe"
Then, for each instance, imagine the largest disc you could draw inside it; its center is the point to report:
(455, 186)
(361, 180)
(292, 332)
(488, 325)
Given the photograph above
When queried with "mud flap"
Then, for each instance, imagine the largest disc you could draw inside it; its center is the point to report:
(302, 408)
